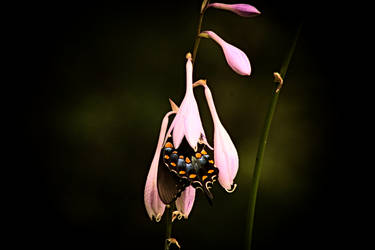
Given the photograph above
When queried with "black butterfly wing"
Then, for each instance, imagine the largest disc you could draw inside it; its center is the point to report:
(170, 185)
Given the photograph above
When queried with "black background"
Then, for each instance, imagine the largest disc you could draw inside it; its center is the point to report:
(96, 83)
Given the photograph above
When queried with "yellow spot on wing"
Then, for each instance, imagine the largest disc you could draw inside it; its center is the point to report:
(166, 157)
(182, 172)
(211, 161)
(204, 177)
(173, 164)
(210, 171)
(192, 176)
(203, 152)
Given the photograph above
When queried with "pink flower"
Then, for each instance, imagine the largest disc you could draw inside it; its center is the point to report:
(187, 122)
(235, 57)
(154, 206)
(181, 163)
(186, 154)
(225, 153)
(244, 10)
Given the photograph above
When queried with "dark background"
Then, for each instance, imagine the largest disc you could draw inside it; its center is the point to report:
(98, 81)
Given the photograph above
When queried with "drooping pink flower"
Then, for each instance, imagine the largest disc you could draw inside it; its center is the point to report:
(225, 153)
(184, 154)
(244, 10)
(187, 122)
(154, 206)
(235, 57)
(181, 163)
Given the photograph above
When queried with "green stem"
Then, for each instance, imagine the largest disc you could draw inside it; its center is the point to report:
(197, 38)
(287, 59)
(168, 229)
(264, 139)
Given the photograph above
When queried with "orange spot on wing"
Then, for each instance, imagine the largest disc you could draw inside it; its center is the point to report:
(168, 145)
(187, 160)
(204, 177)
(210, 171)
(192, 176)
(166, 157)
(173, 164)
(181, 157)
(203, 152)
(198, 155)
(182, 172)
(211, 161)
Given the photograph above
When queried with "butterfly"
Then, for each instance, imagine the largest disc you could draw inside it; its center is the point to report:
(179, 168)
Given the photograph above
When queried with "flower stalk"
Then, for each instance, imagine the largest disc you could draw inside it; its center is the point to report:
(197, 37)
(168, 228)
(264, 137)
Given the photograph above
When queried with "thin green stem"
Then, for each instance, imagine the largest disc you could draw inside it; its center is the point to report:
(287, 59)
(264, 139)
(168, 228)
(197, 38)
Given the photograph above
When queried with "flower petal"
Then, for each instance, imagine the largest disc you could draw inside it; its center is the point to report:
(154, 206)
(244, 10)
(185, 202)
(235, 57)
(226, 157)
(225, 153)
(193, 124)
(187, 121)
(179, 126)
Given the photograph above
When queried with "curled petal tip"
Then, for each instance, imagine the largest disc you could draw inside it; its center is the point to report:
(231, 190)
(158, 217)
(176, 215)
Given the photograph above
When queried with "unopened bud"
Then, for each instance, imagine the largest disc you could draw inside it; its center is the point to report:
(244, 10)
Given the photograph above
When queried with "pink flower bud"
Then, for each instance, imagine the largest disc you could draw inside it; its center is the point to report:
(244, 10)
(235, 57)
